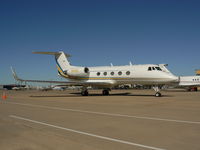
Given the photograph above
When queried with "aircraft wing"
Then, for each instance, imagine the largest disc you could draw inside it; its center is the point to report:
(67, 83)
(38, 81)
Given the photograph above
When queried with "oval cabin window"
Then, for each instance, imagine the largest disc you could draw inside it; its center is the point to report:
(128, 73)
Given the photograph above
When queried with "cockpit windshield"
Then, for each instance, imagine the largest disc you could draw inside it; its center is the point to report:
(158, 68)
(154, 68)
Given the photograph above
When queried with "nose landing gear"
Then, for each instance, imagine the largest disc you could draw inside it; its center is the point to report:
(157, 90)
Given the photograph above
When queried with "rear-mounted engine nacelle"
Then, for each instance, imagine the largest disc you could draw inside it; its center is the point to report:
(78, 72)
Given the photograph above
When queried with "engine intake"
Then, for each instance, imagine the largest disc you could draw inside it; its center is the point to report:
(86, 70)
(78, 72)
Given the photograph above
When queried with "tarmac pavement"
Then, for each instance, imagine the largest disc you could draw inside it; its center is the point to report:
(125, 120)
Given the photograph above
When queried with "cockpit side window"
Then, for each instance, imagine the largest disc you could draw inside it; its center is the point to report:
(149, 69)
(153, 68)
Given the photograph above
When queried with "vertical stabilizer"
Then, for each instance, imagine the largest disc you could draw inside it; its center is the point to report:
(61, 59)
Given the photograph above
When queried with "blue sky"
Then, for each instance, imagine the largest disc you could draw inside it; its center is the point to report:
(98, 32)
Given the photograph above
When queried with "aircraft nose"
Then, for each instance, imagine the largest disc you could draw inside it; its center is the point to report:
(173, 78)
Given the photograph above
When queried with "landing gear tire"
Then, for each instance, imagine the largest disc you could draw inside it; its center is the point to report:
(158, 94)
(84, 93)
(105, 92)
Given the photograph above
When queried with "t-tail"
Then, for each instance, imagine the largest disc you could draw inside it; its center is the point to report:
(62, 62)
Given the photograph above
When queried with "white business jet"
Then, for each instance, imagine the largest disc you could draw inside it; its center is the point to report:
(106, 77)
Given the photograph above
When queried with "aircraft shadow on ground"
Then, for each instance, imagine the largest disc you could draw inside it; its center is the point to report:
(93, 94)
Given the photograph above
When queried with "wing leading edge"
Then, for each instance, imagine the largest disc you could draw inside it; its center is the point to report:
(39, 81)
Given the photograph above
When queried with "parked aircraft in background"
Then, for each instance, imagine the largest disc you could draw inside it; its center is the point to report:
(57, 88)
(189, 82)
(106, 77)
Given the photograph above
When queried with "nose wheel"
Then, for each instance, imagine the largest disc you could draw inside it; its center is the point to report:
(158, 94)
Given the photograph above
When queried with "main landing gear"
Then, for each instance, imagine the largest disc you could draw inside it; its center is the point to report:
(106, 91)
(157, 90)
(85, 92)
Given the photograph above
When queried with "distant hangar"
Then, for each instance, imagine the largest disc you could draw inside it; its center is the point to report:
(10, 86)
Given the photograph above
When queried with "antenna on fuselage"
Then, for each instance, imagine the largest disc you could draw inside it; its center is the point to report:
(130, 63)
(111, 64)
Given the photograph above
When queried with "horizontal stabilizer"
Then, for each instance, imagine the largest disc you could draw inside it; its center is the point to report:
(52, 53)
